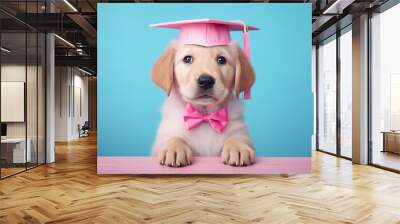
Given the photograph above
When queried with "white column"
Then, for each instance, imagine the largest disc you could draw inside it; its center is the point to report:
(314, 92)
(50, 99)
(360, 90)
(50, 92)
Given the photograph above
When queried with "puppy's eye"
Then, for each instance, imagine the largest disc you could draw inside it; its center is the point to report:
(188, 59)
(221, 60)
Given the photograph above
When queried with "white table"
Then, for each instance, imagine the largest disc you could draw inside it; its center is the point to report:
(19, 151)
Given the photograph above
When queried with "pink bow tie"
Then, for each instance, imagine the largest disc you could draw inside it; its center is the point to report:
(217, 120)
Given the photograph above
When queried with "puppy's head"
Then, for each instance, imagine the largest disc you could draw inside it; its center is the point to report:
(203, 75)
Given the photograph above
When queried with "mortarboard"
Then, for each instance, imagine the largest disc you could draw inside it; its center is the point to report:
(209, 33)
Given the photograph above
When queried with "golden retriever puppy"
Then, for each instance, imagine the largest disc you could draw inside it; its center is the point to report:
(208, 79)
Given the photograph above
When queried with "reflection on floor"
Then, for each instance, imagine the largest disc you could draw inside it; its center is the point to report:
(70, 191)
(10, 169)
(346, 152)
(386, 159)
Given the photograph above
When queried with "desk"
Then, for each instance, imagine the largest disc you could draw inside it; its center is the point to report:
(16, 151)
(391, 141)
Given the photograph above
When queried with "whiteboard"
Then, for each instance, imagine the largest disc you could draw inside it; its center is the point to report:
(12, 101)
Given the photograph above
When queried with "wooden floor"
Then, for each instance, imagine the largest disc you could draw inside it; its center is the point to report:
(70, 191)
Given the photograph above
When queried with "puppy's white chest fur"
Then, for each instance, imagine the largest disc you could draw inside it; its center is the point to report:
(203, 139)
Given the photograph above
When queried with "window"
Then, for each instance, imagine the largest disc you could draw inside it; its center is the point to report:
(346, 92)
(334, 106)
(385, 89)
(327, 95)
(394, 102)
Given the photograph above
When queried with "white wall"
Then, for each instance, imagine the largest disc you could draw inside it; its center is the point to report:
(70, 83)
(10, 73)
(16, 73)
(62, 82)
(79, 117)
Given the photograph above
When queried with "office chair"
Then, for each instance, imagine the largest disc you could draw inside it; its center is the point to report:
(84, 130)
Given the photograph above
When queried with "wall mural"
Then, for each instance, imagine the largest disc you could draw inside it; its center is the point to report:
(204, 88)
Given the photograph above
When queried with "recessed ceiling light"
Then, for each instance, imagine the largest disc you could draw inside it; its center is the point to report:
(5, 50)
(84, 71)
(70, 5)
(65, 41)
(338, 6)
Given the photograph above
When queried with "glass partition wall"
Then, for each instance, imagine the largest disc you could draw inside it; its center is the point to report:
(334, 93)
(13, 88)
(22, 98)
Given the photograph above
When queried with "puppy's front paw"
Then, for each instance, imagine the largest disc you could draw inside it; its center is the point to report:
(175, 153)
(237, 153)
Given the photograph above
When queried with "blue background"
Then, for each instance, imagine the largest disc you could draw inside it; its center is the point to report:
(280, 114)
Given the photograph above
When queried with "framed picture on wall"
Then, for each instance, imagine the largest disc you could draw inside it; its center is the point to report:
(204, 88)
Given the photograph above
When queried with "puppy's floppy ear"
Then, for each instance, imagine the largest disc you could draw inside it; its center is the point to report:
(244, 76)
(163, 70)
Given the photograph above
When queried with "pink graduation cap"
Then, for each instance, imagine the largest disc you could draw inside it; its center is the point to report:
(209, 33)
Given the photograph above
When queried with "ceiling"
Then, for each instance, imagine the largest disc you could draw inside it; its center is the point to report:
(75, 22)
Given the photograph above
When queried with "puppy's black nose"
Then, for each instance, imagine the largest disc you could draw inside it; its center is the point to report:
(205, 81)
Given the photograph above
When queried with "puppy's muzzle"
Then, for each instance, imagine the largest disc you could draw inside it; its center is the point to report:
(205, 82)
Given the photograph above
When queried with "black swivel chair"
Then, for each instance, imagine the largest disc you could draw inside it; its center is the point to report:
(84, 130)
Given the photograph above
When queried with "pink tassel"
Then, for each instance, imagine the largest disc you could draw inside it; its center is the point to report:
(246, 43)
(246, 48)
(247, 94)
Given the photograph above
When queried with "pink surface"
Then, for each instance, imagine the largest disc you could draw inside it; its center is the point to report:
(202, 165)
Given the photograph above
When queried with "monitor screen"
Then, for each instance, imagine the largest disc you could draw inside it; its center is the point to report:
(3, 129)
